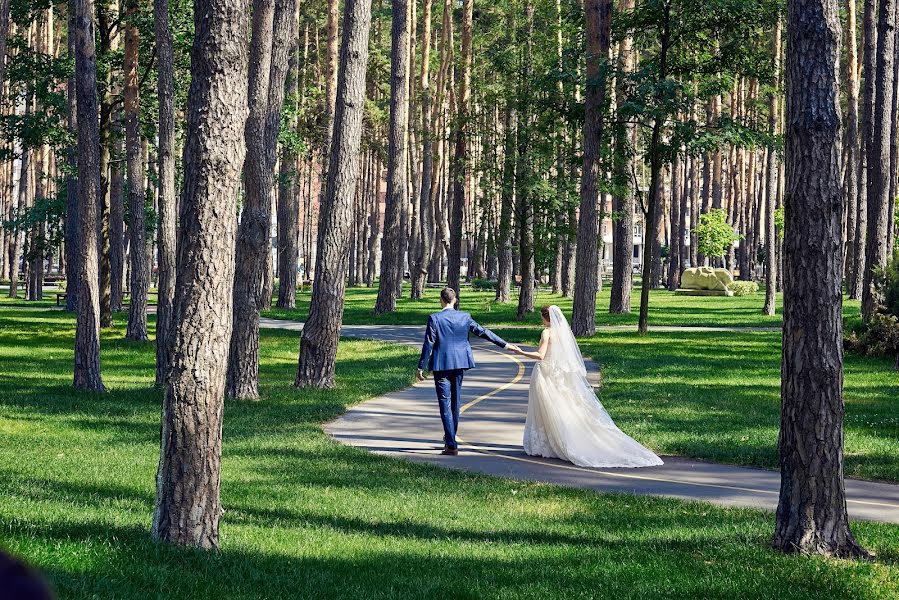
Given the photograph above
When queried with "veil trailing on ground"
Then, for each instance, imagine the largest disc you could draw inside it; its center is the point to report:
(563, 354)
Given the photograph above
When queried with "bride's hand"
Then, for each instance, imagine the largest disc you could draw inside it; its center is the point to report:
(513, 348)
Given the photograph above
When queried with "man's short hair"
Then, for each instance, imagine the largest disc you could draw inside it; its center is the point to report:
(448, 296)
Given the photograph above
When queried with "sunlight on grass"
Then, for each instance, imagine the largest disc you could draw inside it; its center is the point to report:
(307, 517)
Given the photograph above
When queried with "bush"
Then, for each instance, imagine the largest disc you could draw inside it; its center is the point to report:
(743, 288)
(483, 285)
(880, 336)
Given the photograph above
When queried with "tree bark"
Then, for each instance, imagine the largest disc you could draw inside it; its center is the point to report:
(391, 242)
(273, 35)
(137, 230)
(525, 210)
(852, 161)
(622, 197)
(72, 228)
(87, 302)
(318, 345)
(166, 234)
(856, 282)
(677, 235)
(288, 203)
(460, 169)
(878, 162)
(188, 507)
(811, 514)
(598, 23)
(4, 35)
(771, 263)
(419, 270)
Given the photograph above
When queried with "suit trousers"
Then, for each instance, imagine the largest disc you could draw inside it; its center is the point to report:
(449, 394)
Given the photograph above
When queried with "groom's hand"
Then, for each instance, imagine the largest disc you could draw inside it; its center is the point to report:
(421, 375)
(513, 348)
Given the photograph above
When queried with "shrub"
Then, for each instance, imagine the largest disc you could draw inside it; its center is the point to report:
(880, 335)
(483, 285)
(713, 234)
(743, 288)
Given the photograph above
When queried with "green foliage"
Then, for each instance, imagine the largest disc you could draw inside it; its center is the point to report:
(483, 285)
(743, 288)
(779, 222)
(713, 233)
(880, 335)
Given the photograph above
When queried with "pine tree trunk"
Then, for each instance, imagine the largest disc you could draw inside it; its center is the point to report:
(87, 299)
(139, 284)
(811, 514)
(188, 506)
(397, 155)
(116, 229)
(288, 207)
(677, 236)
(318, 345)
(851, 180)
(771, 266)
(525, 209)
(598, 24)
(419, 269)
(856, 283)
(4, 35)
(622, 197)
(460, 169)
(878, 162)
(510, 145)
(166, 234)
(273, 35)
(72, 227)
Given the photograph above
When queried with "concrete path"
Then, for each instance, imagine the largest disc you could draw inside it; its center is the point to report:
(406, 424)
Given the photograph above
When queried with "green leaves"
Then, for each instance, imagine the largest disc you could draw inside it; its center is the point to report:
(714, 235)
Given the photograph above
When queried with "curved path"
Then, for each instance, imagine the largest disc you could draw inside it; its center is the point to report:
(406, 424)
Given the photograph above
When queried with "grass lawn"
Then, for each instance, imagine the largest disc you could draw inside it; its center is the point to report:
(716, 396)
(664, 309)
(306, 517)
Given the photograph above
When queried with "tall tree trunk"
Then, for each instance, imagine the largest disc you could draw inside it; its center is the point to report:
(771, 263)
(622, 196)
(4, 35)
(460, 168)
(525, 210)
(856, 283)
(677, 235)
(811, 513)
(655, 166)
(318, 345)
(419, 269)
(116, 229)
(166, 234)
(510, 146)
(273, 35)
(598, 24)
(852, 163)
(188, 507)
(87, 300)
(137, 230)
(288, 203)
(72, 227)
(391, 242)
(878, 162)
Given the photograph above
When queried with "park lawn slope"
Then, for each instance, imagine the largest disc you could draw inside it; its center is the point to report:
(306, 517)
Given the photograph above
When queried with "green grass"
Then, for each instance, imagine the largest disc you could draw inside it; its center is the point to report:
(306, 517)
(664, 309)
(716, 396)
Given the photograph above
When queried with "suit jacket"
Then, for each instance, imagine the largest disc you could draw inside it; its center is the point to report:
(446, 344)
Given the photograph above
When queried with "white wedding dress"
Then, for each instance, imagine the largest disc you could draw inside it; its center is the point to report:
(565, 418)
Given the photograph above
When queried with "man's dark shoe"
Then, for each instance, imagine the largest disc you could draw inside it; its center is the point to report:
(450, 452)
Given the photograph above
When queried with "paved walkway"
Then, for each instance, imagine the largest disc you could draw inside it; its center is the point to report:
(406, 424)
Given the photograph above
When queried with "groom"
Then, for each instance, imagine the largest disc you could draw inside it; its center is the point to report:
(447, 353)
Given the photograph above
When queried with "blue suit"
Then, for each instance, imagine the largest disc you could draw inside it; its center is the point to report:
(447, 353)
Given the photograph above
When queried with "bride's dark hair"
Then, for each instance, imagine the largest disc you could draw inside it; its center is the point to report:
(544, 312)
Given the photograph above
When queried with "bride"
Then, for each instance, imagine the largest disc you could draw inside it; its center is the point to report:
(565, 419)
